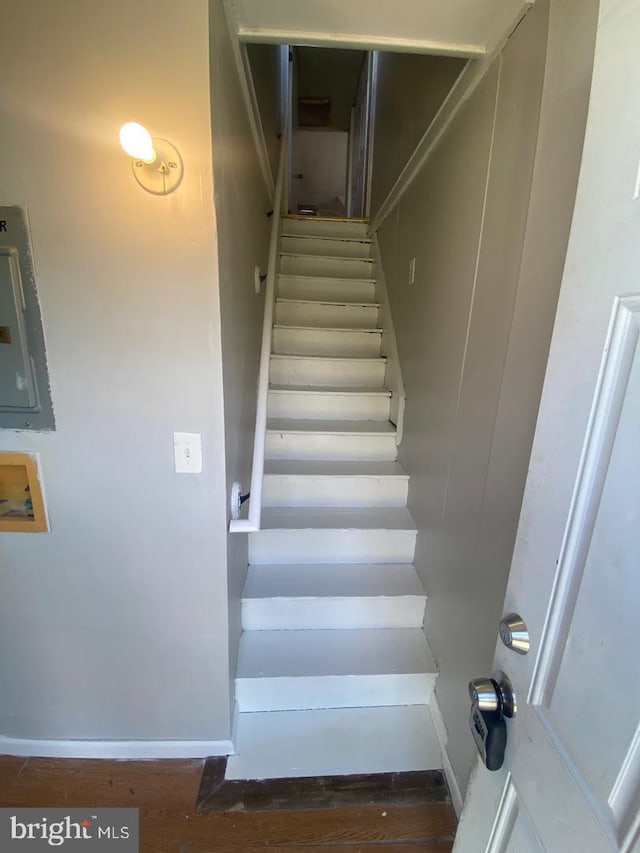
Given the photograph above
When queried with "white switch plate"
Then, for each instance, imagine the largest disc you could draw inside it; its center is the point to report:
(187, 452)
(412, 270)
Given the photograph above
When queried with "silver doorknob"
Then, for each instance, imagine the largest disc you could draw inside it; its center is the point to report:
(514, 633)
(483, 692)
(494, 694)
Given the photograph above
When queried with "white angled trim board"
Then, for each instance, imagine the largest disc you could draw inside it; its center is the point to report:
(468, 81)
(114, 749)
(360, 42)
(447, 768)
(249, 94)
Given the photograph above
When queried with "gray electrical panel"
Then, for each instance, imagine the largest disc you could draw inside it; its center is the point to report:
(25, 399)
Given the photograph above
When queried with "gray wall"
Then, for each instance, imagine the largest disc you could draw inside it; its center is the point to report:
(114, 624)
(241, 204)
(487, 221)
(330, 73)
(409, 91)
(264, 60)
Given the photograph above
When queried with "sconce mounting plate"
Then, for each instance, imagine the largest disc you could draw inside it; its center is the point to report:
(164, 175)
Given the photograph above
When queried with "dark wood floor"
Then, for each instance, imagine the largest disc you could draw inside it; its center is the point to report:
(166, 793)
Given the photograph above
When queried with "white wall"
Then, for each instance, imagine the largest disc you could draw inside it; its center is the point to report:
(266, 61)
(410, 89)
(487, 220)
(114, 625)
(243, 229)
(330, 73)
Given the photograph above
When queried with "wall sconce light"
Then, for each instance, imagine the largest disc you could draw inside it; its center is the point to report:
(157, 164)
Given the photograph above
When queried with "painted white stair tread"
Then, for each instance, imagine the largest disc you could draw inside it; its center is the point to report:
(296, 482)
(329, 389)
(320, 340)
(342, 238)
(334, 599)
(332, 580)
(309, 257)
(312, 468)
(335, 279)
(306, 313)
(344, 652)
(345, 290)
(338, 304)
(327, 370)
(319, 439)
(345, 246)
(334, 427)
(331, 358)
(342, 741)
(372, 330)
(326, 265)
(312, 226)
(344, 518)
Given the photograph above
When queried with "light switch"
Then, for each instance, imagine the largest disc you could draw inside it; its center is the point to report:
(187, 452)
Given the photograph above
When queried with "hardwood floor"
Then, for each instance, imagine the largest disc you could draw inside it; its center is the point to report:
(166, 793)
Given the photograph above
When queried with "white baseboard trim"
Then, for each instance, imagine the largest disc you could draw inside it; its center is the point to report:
(452, 781)
(447, 768)
(114, 749)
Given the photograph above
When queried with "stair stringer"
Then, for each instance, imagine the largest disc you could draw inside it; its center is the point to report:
(389, 346)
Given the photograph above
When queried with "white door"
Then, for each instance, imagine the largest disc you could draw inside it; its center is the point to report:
(320, 168)
(571, 777)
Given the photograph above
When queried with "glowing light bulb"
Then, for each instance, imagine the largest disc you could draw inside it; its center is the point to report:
(136, 141)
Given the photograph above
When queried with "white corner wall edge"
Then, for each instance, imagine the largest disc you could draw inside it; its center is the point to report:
(249, 94)
(393, 372)
(114, 749)
(252, 523)
(457, 799)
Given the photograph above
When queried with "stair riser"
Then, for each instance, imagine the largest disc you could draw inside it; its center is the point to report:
(312, 226)
(325, 613)
(337, 316)
(353, 691)
(340, 742)
(294, 371)
(270, 547)
(306, 490)
(326, 289)
(331, 446)
(299, 265)
(355, 407)
(289, 341)
(336, 247)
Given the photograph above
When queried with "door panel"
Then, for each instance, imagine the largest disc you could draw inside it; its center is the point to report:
(571, 777)
(584, 692)
(514, 832)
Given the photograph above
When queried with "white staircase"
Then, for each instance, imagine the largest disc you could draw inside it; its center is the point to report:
(334, 672)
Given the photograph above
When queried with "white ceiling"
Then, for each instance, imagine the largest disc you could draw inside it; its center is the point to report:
(454, 27)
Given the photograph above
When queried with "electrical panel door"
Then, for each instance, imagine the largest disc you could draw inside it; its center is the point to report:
(17, 387)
